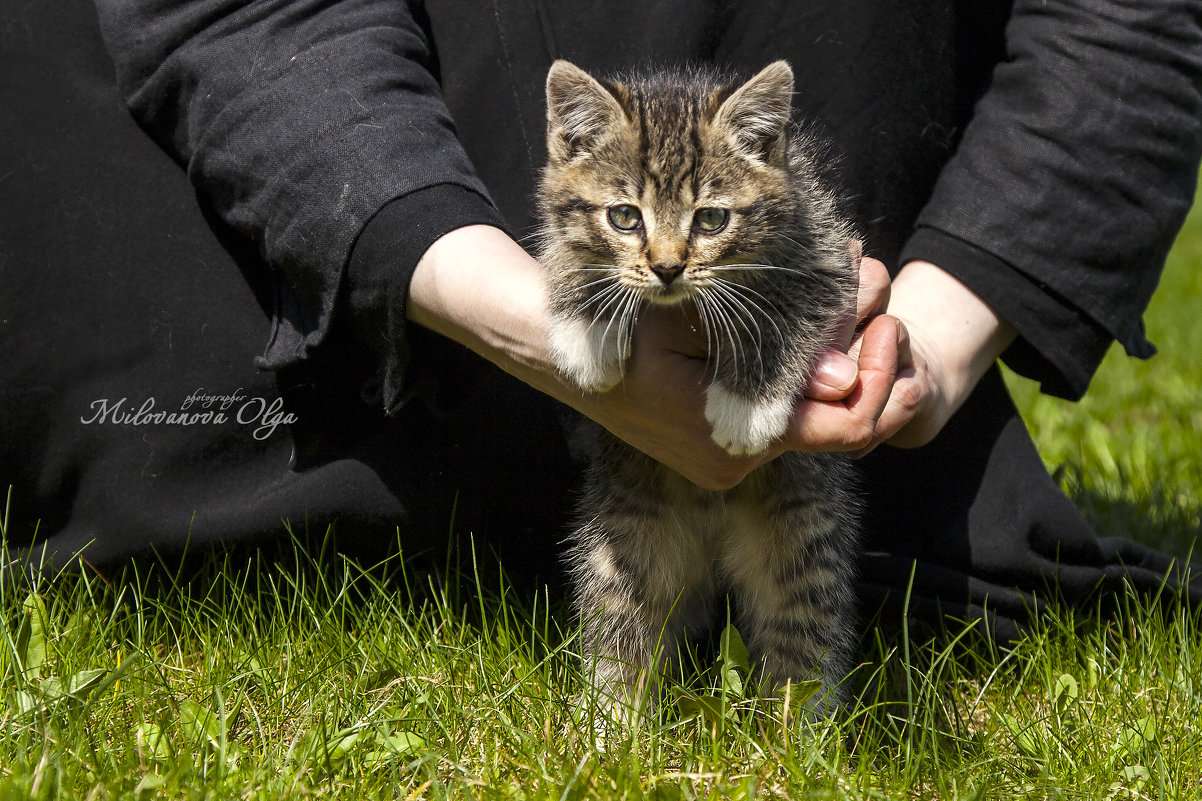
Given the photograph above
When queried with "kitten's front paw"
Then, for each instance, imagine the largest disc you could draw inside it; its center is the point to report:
(587, 353)
(745, 426)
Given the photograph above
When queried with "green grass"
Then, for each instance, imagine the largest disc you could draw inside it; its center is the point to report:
(315, 677)
(308, 676)
(1128, 453)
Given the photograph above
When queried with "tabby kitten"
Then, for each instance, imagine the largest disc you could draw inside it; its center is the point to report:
(680, 189)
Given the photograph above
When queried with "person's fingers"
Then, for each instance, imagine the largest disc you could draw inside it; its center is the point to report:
(847, 397)
(879, 361)
(836, 372)
(844, 423)
(906, 402)
(872, 298)
(849, 424)
(834, 376)
(911, 398)
(872, 294)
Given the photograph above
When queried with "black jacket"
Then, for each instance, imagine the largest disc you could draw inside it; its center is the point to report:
(1044, 151)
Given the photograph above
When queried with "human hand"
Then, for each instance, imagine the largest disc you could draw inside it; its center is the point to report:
(666, 377)
(659, 407)
(945, 338)
(849, 390)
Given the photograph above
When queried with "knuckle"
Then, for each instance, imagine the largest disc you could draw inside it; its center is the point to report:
(853, 436)
(908, 396)
(859, 437)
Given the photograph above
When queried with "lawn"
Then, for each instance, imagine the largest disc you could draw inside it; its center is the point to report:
(309, 676)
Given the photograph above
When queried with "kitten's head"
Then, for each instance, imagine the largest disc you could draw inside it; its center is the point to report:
(669, 182)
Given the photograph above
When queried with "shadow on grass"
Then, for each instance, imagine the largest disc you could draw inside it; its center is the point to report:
(1156, 515)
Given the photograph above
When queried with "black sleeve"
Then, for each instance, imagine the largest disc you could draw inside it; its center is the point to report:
(299, 121)
(1073, 177)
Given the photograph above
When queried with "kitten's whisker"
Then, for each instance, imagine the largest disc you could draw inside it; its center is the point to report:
(712, 342)
(602, 299)
(726, 283)
(732, 288)
(629, 316)
(613, 298)
(744, 312)
(723, 315)
(737, 348)
(728, 329)
(755, 267)
(603, 280)
(746, 319)
(624, 301)
(709, 319)
(739, 316)
(751, 310)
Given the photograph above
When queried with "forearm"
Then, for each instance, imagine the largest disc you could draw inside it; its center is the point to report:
(477, 287)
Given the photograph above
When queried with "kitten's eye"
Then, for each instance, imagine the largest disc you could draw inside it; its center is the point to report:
(625, 218)
(711, 221)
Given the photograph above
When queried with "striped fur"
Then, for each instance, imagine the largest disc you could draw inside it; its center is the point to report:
(677, 153)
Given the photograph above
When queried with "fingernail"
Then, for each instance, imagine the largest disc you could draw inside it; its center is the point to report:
(836, 370)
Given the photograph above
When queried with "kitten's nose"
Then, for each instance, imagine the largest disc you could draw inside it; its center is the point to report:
(667, 272)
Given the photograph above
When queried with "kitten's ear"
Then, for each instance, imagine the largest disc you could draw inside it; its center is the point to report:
(580, 110)
(757, 113)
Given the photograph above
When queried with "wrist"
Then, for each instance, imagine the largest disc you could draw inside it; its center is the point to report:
(953, 331)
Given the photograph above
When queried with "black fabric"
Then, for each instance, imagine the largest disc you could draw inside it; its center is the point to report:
(297, 120)
(987, 531)
(381, 264)
(1081, 123)
(327, 143)
(116, 290)
(1079, 163)
(118, 286)
(910, 101)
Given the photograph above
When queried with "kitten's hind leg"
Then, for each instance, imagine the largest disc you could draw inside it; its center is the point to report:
(640, 582)
(790, 563)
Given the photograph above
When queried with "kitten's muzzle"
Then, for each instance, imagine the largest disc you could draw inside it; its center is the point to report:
(667, 272)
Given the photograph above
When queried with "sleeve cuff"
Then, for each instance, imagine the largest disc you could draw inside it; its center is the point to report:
(379, 270)
(1057, 345)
